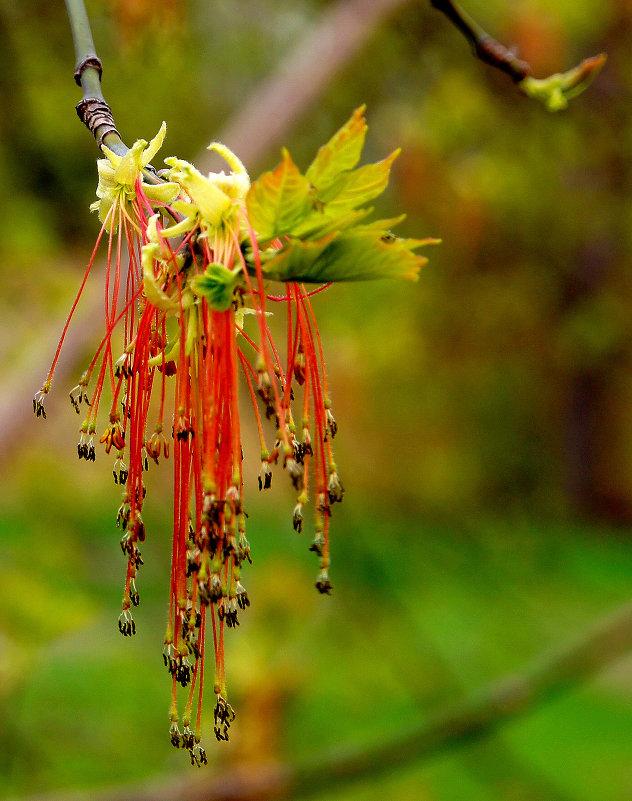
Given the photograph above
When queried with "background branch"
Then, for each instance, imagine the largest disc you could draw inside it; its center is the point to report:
(551, 674)
(485, 47)
(554, 91)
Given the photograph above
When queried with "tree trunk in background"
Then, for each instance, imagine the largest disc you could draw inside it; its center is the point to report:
(597, 410)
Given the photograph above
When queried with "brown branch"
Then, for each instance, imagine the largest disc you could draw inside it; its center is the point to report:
(554, 91)
(552, 674)
(96, 115)
(485, 47)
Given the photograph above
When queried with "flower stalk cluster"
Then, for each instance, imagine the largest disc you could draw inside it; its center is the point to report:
(186, 304)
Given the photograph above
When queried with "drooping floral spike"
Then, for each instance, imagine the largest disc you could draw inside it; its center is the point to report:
(189, 262)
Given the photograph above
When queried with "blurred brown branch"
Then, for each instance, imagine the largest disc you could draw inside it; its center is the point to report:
(554, 91)
(551, 674)
(484, 46)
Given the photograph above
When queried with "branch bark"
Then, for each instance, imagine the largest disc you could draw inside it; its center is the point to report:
(485, 47)
(550, 675)
(93, 109)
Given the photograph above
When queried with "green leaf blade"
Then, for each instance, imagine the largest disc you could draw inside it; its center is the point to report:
(340, 154)
(320, 223)
(279, 200)
(354, 188)
(349, 256)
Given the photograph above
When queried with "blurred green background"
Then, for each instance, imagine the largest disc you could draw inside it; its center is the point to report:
(485, 429)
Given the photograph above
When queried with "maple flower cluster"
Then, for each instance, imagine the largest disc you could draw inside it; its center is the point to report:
(189, 262)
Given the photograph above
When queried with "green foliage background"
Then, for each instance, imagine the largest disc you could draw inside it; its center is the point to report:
(485, 429)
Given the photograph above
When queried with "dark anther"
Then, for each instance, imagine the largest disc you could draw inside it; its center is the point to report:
(120, 477)
(210, 592)
(323, 506)
(169, 369)
(323, 585)
(126, 624)
(77, 395)
(124, 368)
(122, 517)
(299, 452)
(140, 531)
(134, 554)
(331, 426)
(230, 549)
(295, 472)
(176, 737)
(38, 408)
(221, 733)
(208, 539)
(170, 659)
(299, 366)
(317, 546)
(215, 590)
(192, 562)
(244, 550)
(91, 60)
(223, 714)
(190, 535)
(231, 619)
(198, 756)
(215, 511)
(265, 481)
(335, 491)
(297, 519)
(183, 671)
(188, 741)
(194, 648)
